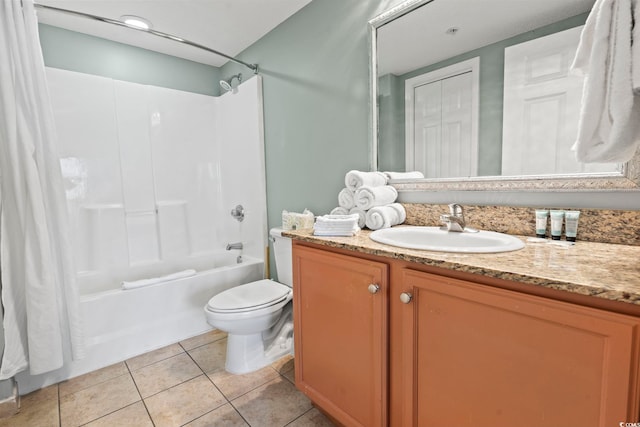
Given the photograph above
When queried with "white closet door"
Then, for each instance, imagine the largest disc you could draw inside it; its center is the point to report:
(456, 127)
(541, 107)
(441, 120)
(428, 129)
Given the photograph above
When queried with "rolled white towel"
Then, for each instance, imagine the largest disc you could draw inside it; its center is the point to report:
(346, 198)
(355, 179)
(385, 216)
(402, 213)
(339, 211)
(362, 216)
(368, 197)
(404, 175)
(152, 281)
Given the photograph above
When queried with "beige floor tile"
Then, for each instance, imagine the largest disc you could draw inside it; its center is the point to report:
(133, 415)
(164, 374)
(199, 340)
(210, 357)
(313, 418)
(233, 386)
(175, 393)
(9, 406)
(286, 367)
(184, 403)
(224, 416)
(97, 401)
(273, 404)
(92, 378)
(154, 356)
(284, 364)
(291, 376)
(37, 409)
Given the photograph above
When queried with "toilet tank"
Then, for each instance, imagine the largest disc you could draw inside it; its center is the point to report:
(282, 254)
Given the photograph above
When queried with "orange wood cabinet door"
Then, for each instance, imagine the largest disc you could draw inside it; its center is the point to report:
(482, 356)
(340, 329)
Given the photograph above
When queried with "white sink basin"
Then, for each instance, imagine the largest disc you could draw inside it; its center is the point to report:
(437, 239)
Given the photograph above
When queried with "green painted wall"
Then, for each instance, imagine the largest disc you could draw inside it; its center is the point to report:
(391, 123)
(74, 51)
(315, 69)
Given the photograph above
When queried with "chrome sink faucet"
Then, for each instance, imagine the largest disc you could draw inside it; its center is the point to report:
(454, 221)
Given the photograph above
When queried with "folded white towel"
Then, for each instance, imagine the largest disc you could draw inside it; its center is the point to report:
(354, 179)
(609, 124)
(345, 198)
(404, 175)
(339, 211)
(336, 225)
(386, 216)
(336, 219)
(368, 197)
(362, 216)
(152, 281)
(337, 233)
(334, 222)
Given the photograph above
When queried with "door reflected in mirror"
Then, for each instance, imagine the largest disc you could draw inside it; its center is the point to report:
(482, 88)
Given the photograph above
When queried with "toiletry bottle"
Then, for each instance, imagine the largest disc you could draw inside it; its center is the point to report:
(541, 222)
(571, 225)
(556, 224)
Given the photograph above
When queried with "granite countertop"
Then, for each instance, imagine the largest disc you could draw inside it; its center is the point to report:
(601, 270)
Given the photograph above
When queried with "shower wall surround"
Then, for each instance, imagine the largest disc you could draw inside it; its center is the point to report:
(152, 174)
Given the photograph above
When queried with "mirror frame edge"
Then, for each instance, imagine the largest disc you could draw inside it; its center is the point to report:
(627, 180)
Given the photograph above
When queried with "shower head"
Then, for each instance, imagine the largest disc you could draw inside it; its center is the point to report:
(228, 86)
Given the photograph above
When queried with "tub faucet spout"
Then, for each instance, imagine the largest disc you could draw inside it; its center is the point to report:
(237, 245)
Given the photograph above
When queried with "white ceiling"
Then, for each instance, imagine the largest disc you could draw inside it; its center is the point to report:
(419, 38)
(228, 26)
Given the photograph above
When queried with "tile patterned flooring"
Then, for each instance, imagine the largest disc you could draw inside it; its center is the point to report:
(183, 384)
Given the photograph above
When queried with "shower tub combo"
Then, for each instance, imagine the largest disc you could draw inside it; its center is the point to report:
(151, 175)
(120, 324)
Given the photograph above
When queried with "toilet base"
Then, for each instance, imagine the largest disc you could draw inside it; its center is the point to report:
(248, 353)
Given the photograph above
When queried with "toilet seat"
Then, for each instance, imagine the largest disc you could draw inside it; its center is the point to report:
(249, 297)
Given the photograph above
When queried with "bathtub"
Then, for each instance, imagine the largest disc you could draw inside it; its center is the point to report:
(120, 324)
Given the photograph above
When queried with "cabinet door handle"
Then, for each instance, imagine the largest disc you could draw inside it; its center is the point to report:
(373, 288)
(406, 297)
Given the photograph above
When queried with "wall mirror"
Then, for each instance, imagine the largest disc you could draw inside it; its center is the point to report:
(478, 95)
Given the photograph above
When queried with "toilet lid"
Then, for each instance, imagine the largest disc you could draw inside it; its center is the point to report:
(249, 296)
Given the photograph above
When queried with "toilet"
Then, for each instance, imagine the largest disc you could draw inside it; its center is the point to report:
(257, 316)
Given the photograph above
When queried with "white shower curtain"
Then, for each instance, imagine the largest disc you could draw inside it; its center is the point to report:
(39, 296)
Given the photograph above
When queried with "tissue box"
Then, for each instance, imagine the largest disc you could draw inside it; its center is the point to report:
(297, 221)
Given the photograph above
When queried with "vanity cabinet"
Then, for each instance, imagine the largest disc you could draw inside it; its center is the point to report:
(340, 324)
(480, 356)
(438, 348)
